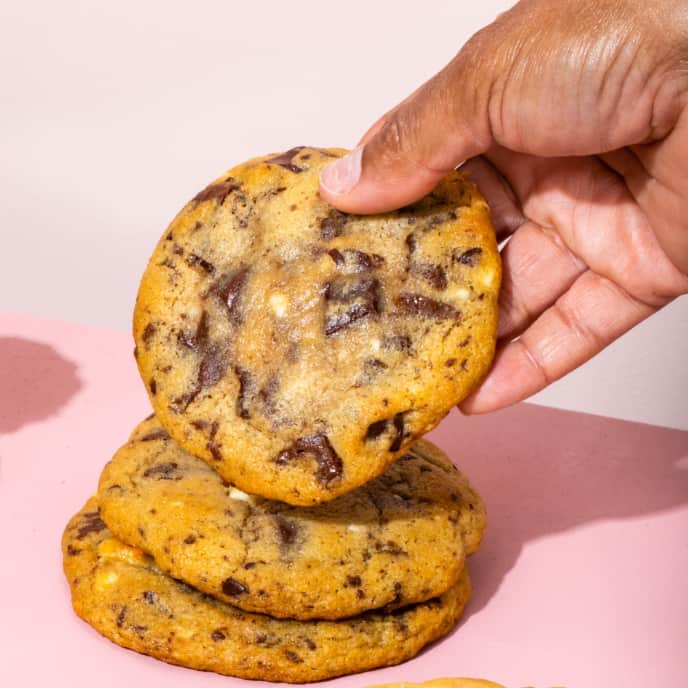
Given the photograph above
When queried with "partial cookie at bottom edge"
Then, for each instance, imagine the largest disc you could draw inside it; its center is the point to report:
(119, 591)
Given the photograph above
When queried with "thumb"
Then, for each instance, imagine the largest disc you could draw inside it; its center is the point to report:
(404, 155)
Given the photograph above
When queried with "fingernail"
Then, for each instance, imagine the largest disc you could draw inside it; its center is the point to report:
(341, 176)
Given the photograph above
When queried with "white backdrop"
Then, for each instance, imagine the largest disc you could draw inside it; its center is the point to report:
(113, 114)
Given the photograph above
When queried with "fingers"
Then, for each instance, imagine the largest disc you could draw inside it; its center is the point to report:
(409, 150)
(537, 269)
(507, 215)
(592, 314)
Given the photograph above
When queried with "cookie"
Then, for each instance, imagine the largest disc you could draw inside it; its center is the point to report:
(300, 350)
(122, 594)
(396, 540)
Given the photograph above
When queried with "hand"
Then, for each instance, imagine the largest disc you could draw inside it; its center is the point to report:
(573, 117)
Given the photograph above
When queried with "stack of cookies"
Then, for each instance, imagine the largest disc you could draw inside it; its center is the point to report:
(280, 517)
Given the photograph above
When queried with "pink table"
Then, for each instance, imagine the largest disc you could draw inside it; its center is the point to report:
(581, 580)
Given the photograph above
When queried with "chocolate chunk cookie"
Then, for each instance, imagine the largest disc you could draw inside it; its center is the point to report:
(120, 592)
(397, 540)
(299, 350)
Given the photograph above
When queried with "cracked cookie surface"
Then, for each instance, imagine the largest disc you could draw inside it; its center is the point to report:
(300, 350)
(397, 540)
(119, 591)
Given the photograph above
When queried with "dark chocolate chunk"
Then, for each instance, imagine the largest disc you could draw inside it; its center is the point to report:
(218, 635)
(335, 323)
(73, 551)
(435, 275)
(199, 338)
(149, 596)
(309, 644)
(163, 471)
(228, 289)
(469, 257)
(214, 449)
(354, 581)
(217, 191)
(245, 382)
(332, 225)
(159, 434)
(450, 362)
(286, 529)
(181, 403)
(330, 465)
(376, 429)
(120, 617)
(292, 657)
(416, 304)
(189, 539)
(148, 332)
(207, 266)
(91, 523)
(232, 587)
(153, 386)
(177, 250)
(366, 261)
(337, 257)
(285, 159)
(213, 366)
(398, 423)
(411, 243)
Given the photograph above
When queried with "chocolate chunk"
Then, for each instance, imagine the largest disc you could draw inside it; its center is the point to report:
(363, 293)
(159, 434)
(149, 596)
(181, 403)
(73, 551)
(309, 644)
(366, 261)
(337, 257)
(372, 367)
(416, 304)
(471, 257)
(163, 471)
(354, 581)
(293, 657)
(217, 191)
(268, 395)
(285, 159)
(360, 594)
(333, 225)
(435, 275)
(153, 386)
(199, 338)
(213, 366)
(91, 523)
(148, 332)
(120, 617)
(214, 449)
(245, 382)
(330, 465)
(450, 362)
(177, 250)
(218, 635)
(411, 243)
(398, 423)
(232, 587)
(207, 266)
(335, 323)
(228, 289)
(376, 429)
(199, 424)
(189, 539)
(286, 529)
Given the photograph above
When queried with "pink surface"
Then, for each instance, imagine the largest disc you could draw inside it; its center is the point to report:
(581, 580)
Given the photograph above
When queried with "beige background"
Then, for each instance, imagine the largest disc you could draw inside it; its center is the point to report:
(114, 114)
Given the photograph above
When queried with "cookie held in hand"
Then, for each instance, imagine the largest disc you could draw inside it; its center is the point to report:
(299, 350)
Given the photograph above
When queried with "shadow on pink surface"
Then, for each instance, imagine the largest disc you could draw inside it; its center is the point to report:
(543, 471)
(35, 382)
